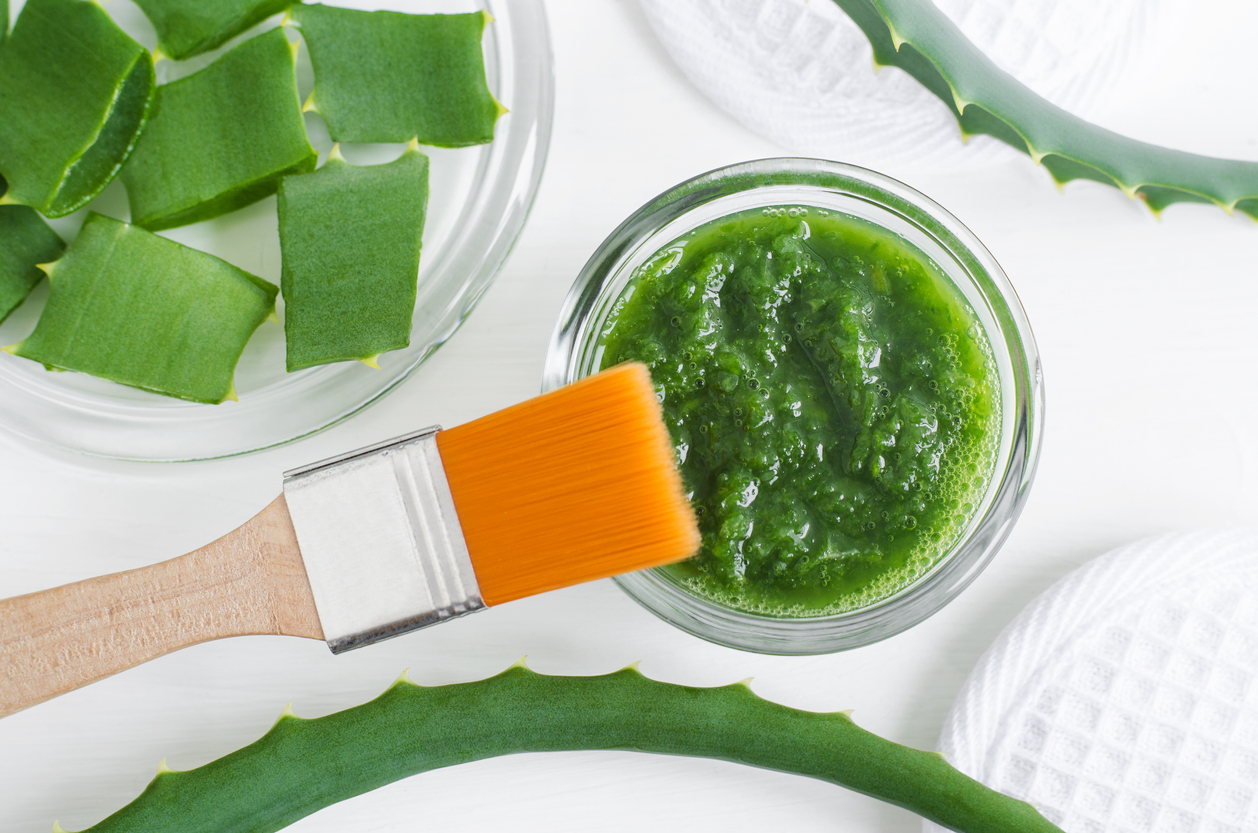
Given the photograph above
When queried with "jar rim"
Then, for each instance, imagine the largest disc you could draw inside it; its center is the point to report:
(759, 183)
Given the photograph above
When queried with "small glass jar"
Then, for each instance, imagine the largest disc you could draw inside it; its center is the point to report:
(844, 189)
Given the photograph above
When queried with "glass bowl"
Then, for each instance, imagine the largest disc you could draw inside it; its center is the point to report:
(830, 186)
(478, 200)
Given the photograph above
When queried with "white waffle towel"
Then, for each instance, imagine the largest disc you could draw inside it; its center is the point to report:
(800, 73)
(1125, 698)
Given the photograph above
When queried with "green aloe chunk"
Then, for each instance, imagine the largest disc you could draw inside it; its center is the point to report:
(221, 138)
(350, 239)
(919, 39)
(145, 311)
(300, 765)
(190, 27)
(75, 92)
(391, 77)
(26, 241)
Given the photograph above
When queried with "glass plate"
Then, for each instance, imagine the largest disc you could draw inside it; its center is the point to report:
(478, 200)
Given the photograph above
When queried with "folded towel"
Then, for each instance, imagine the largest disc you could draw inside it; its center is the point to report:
(1125, 697)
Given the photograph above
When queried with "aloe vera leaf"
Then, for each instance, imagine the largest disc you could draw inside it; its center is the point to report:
(221, 138)
(145, 311)
(25, 242)
(391, 77)
(350, 240)
(75, 92)
(919, 39)
(190, 27)
(300, 766)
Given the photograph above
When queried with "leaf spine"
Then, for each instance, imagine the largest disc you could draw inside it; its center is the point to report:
(522, 662)
(371, 362)
(162, 769)
(404, 679)
(309, 105)
(335, 155)
(1156, 212)
(287, 712)
(47, 268)
(231, 392)
(57, 828)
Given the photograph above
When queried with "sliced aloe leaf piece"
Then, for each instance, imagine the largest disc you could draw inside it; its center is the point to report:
(75, 92)
(145, 311)
(221, 138)
(391, 77)
(190, 27)
(919, 39)
(26, 241)
(350, 239)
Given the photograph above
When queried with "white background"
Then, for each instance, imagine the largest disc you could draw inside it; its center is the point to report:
(1148, 337)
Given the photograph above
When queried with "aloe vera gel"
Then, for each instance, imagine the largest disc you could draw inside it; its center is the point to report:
(833, 400)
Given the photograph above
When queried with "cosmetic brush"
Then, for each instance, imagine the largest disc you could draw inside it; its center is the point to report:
(575, 485)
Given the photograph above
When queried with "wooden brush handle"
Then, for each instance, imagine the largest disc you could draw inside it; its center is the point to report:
(250, 581)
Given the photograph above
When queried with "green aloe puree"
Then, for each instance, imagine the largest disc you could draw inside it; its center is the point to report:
(833, 401)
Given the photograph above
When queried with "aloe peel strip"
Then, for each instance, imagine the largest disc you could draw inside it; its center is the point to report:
(220, 139)
(189, 27)
(919, 39)
(26, 241)
(300, 766)
(350, 241)
(75, 92)
(389, 76)
(135, 308)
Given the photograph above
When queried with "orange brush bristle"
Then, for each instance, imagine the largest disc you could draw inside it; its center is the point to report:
(575, 485)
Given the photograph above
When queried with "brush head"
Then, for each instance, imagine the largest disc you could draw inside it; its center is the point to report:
(575, 485)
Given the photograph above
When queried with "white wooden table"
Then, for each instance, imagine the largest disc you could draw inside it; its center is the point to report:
(1150, 347)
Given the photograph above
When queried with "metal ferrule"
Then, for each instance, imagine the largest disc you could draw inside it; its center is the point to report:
(381, 541)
